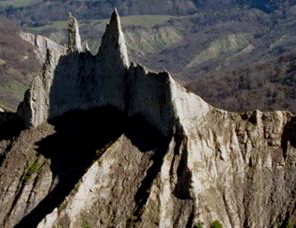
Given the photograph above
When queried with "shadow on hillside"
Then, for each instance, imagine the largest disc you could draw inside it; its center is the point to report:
(81, 137)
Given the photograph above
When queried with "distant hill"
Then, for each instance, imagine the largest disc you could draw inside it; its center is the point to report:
(53, 10)
(25, 11)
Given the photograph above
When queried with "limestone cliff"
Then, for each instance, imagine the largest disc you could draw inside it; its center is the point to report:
(106, 143)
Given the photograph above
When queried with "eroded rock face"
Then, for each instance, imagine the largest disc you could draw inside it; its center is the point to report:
(125, 147)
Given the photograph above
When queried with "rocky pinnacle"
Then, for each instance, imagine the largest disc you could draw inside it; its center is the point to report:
(74, 40)
(113, 42)
(102, 76)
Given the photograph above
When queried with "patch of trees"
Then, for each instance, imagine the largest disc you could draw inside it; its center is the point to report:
(266, 85)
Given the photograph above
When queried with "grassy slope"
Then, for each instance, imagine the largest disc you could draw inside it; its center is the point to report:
(18, 65)
(218, 47)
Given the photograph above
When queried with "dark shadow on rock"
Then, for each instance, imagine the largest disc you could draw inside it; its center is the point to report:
(184, 176)
(144, 191)
(74, 82)
(10, 125)
(289, 136)
(183, 185)
(191, 217)
(143, 135)
(146, 138)
(81, 137)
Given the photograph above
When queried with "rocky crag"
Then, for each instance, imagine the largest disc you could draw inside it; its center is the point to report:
(102, 142)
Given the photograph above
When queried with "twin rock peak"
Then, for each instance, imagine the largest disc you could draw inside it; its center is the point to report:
(76, 79)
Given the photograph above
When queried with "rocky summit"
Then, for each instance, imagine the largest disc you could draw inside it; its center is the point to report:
(99, 141)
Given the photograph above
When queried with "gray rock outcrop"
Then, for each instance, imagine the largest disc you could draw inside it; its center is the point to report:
(110, 144)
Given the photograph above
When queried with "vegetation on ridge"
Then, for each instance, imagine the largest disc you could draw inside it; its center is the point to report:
(216, 224)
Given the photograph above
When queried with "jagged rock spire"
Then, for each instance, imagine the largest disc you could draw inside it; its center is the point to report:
(74, 40)
(103, 79)
(113, 41)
